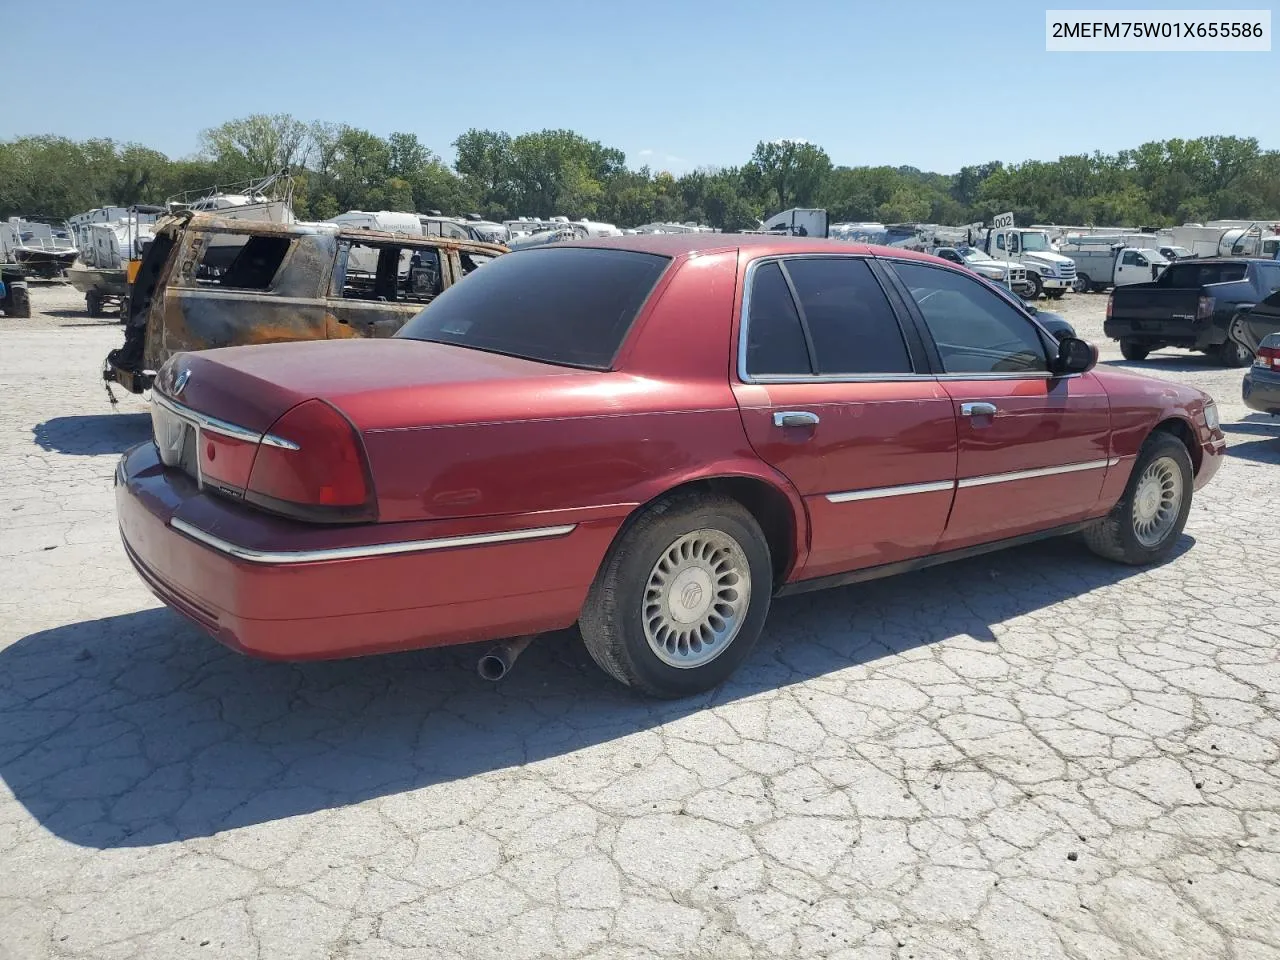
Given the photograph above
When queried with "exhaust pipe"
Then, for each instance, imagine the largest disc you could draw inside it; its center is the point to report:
(501, 657)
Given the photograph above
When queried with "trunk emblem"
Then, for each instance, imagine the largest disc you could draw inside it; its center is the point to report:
(181, 382)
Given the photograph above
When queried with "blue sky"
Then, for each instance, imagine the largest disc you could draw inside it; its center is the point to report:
(677, 85)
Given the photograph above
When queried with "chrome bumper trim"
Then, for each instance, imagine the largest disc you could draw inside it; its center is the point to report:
(223, 427)
(372, 550)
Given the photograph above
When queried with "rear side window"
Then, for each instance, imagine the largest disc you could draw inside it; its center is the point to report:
(854, 329)
(244, 262)
(775, 339)
(565, 305)
(1200, 274)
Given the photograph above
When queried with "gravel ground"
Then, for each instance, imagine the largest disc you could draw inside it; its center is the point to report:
(1031, 754)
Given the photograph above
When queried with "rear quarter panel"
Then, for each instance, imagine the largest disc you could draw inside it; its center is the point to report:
(587, 444)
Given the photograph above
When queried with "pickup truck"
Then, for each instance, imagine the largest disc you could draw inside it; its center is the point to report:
(1199, 304)
(1100, 266)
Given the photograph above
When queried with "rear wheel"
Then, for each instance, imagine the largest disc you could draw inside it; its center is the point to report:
(1145, 525)
(1082, 283)
(1232, 353)
(681, 597)
(93, 303)
(1133, 350)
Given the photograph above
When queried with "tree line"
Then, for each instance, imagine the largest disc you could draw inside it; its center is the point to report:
(337, 167)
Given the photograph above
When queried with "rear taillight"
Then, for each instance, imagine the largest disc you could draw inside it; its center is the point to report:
(1268, 357)
(1204, 308)
(1111, 302)
(326, 479)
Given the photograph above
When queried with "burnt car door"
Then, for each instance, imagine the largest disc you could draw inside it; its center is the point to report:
(835, 393)
(378, 285)
(231, 287)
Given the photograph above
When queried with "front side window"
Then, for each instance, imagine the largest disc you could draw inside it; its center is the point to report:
(387, 273)
(975, 330)
(241, 261)
(1130, 258)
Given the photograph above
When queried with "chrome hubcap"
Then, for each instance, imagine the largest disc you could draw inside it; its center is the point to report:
(696, 597)
(1157, 501)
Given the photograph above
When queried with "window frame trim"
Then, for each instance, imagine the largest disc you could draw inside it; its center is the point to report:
(935, 357)
(905, 325)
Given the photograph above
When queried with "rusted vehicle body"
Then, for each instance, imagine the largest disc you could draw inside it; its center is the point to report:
(650, 436)
(208, 282)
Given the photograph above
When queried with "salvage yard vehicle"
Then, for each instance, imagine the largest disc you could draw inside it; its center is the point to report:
(1101, 265)
(207, 282)
(1261, 387)
(1197, 304)
(1048, 271)
(651, 437)
(986, 266)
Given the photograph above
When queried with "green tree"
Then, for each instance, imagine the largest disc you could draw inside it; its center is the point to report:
(788, 173)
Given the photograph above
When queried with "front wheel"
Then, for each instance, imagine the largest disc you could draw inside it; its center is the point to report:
(1145, 525)
(1037, 286)
(681, 597)
(1232, 353)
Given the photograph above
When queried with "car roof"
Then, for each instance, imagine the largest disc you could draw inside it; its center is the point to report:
(760, 245)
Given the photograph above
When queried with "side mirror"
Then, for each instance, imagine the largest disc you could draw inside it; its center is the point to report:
(1074, 356)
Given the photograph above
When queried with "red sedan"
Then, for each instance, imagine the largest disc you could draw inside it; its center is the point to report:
(650, 437)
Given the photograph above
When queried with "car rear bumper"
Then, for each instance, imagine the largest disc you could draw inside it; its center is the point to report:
(283, 590)
(1261, 390)
(1173, 333)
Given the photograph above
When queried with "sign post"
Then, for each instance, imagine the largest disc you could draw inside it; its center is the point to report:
(1004, 222)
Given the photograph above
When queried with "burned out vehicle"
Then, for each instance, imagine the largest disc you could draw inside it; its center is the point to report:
(208, 282)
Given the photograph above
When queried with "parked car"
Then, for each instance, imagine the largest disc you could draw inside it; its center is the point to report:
(651, 437)
(988, 267)
(1198, 304)
(1261, 389)
(1175, 253)
(207, 282)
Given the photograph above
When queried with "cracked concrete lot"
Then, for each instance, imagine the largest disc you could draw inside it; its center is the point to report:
(1035, 754)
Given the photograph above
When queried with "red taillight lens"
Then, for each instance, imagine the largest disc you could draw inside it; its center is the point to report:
(1111, 302)
(1204, 308)
(1268, 357)
(325, 479)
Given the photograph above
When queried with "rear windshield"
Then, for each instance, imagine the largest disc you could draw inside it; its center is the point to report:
(1200, 274)
(570, 306)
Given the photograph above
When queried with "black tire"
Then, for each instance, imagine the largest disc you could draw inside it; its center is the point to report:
(18, 303)
(1230, 353)
(1134, 350)
(1055, 294)
(93, 303)
(613, 621)
(1037, 287)
(1115, 536)
(1083, 284)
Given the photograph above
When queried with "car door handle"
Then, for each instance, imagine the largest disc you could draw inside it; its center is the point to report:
(795, 418)
(977, 409)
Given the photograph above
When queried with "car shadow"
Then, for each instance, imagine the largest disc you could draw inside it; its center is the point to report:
(92, 434)
(138, 730)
